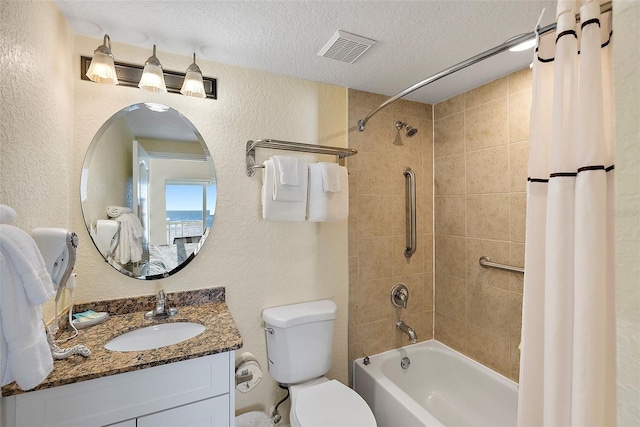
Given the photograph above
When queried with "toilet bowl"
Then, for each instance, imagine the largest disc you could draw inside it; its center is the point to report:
(299, 347)
(324, 402)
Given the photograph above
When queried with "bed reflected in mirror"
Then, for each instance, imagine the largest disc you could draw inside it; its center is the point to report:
(148, 191)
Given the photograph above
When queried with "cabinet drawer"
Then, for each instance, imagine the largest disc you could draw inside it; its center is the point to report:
(206, 413)
(129, 395)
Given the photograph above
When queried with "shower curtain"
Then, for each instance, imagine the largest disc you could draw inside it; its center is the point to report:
(567, 362)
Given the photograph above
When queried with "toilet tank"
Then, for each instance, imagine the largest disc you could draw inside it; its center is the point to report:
(299, 340)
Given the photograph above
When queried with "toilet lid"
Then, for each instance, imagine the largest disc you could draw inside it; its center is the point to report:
(332, 404)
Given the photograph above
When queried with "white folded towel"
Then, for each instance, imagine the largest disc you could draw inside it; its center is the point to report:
(330, 177)
(129, 247)
(106, 236)
(290, 193)
(327, 207)
(7, 214)
(287, 170)
(24, 352)
(278, 210)
(116, 211)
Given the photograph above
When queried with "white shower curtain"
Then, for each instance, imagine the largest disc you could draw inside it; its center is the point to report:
(567, 361)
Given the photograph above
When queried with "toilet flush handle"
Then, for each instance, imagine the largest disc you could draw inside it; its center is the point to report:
(269, 330)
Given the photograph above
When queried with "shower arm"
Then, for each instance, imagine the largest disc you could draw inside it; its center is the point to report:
(604, 7)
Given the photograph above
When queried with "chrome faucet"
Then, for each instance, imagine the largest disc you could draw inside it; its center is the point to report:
(161, 311)
(403, 327)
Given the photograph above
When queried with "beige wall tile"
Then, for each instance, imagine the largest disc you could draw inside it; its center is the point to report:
(353, 191)
(451, 332)
(519, 116)
(451, 297)
(487, 171)
(518, 206)
(489, 349)
(375, 174)
(419, 298)
(366, 100)
(426, 242)
(486, 126)
(426, 134)
(355, 352)
(375, 215)
(353, 278)
(376, 337)
(450, 106)
(515, 322)
(450, 215)
(514, 374)
(403, 265)
(374, 303)
(450, 256)
(449, 135)
(487, 92)
(489, 308)
(497, 252)
(421, 323)
(518, 166)
(448, 175)
(488, 216)
(516, 258)
(520, 80)
(427, 215)
(427, 182)
(374, 257)
(399, 181)
(353, 234)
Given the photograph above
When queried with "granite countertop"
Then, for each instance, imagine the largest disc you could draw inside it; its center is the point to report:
(204, 306)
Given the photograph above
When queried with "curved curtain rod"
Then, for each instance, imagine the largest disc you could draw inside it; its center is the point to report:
(604, 7)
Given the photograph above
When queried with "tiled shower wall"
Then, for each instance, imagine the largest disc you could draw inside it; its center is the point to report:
(481, 149)
(377, 224)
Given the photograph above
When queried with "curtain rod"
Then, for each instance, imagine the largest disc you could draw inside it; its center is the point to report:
(604, 7)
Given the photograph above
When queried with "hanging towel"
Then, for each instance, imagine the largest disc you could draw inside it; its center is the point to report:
(287, 170)
(25, 284)
(330, 177)
(116, 211)
(129, 247)
(328, 207)
(7, 214)
(277, 210)
(290, 193)
(106, 236)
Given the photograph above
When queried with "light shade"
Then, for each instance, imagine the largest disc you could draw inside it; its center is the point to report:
(102, 68)
(152, 78)
(193, 85)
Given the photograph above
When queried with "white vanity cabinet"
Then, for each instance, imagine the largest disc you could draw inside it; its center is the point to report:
(196, 392)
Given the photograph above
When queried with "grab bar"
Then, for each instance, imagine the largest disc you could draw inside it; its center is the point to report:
(486, 263)
(410, 191)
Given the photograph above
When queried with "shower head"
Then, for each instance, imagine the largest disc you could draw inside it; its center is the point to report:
(410, 129)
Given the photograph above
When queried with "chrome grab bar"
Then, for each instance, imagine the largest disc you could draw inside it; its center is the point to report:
(410, 191)
(486, 263)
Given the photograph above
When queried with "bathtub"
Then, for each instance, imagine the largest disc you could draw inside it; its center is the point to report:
(441, 387)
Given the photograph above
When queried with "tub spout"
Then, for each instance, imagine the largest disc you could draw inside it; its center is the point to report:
(402, 327)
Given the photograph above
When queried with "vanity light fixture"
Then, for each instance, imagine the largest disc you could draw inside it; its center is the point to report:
(102, 68)
(193, 84)
(152, 77)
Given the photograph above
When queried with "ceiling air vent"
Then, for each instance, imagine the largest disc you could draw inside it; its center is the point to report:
(346, 47)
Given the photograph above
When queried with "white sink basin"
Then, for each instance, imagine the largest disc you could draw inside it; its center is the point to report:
(155, 336)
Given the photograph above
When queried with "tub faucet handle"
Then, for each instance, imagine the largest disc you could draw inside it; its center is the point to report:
(400, 295)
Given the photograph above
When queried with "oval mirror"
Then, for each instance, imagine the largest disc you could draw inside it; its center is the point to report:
(148, 191)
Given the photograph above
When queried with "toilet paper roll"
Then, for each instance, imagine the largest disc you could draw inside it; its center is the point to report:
(244, 369)
(107, 236)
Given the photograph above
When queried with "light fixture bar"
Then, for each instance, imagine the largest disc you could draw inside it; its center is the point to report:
(129, 75)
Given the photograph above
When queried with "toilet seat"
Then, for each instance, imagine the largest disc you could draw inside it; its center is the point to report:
(331, 404)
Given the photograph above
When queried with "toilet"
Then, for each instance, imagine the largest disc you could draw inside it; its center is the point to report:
(299, 342)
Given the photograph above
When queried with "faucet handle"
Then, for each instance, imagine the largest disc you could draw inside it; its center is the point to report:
(400, 295)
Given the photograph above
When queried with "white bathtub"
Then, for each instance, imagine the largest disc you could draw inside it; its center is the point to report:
(441, 387)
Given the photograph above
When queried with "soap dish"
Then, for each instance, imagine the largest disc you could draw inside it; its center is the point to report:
(85, 322)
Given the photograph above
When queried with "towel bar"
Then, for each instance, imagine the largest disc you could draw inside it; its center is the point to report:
(339, 152)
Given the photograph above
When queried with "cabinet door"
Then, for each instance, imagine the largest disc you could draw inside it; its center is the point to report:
(212, 412)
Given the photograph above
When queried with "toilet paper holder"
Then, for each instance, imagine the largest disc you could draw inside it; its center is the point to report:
(248, 372)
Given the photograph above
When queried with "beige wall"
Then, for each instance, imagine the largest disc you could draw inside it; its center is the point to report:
(626, 54)
(51, 120)
(377, 224)
(481, 149)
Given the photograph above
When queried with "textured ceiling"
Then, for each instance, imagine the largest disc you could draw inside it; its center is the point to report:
(415, 39)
